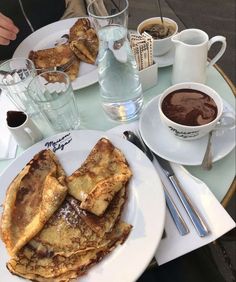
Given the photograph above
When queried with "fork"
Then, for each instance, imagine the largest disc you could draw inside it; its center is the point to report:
(62, 68)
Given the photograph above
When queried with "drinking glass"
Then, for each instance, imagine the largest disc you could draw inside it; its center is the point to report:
(120, 88)
(51, 91)
(15, 76)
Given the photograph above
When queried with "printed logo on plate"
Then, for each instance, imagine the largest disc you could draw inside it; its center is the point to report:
(60, 143)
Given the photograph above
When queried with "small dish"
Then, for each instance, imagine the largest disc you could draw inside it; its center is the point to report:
(166, 59)
(167, 146)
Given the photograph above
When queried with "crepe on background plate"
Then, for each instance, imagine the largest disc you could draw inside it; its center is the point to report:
(84, 41)
(47, 59)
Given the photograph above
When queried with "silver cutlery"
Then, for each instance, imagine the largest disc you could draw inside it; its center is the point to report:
(207, 159)
(191, 210)
(176, 216)
(62, 68)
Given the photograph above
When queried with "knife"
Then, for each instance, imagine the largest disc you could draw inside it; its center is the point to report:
(192, 211)
(174, 212)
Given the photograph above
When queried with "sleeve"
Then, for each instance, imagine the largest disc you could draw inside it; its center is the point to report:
(75, 8)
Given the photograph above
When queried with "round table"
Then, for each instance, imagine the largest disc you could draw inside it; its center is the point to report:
(219, 179)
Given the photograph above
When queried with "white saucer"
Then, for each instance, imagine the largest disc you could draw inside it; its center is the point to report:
(166, 59)
(163, 143)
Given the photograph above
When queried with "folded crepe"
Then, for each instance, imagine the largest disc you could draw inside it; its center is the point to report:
(56, 57)
(101, 224)
(84, 41)
(79, 28)
(48, 234)
(66, 247)
(31, 199)
(101, 176)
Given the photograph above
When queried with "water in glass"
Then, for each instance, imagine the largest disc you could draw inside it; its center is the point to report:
(52, 93)
(120, 88)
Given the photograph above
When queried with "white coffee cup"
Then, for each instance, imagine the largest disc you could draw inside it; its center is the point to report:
(160, 46)
(186, 132)
(25, 132)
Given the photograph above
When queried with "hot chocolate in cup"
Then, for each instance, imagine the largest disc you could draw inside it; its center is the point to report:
(192, 110)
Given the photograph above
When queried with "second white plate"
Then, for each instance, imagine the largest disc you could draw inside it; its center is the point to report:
(46, 37)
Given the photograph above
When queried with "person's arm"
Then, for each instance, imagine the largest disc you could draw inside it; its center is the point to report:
(75, 8)
(8, 30)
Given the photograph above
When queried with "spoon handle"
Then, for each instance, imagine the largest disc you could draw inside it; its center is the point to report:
(207, 159)
(159, 4)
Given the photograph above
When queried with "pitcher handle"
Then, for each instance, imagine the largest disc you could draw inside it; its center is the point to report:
(214, 39)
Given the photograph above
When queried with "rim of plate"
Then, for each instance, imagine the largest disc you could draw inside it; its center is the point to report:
(145, 207)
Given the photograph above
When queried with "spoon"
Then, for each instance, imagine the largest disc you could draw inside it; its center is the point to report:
(166, 29)
(159, 4)
(207, 159)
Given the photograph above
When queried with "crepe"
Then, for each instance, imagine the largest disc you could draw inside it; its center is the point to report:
(101, 176)
(101, 225)
(59, 268)
(55, 57)
(31, 199)
(71, 231)
(65, 248)
(48, 233)
(79, 28)
(84, 41)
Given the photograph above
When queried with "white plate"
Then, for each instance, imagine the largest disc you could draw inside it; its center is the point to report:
(163, 143)
(46, 37)
(166, 59)
(145, 207)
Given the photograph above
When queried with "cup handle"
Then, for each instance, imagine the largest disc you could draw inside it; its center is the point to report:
(213, 40)
(30, 133)
(224, 124)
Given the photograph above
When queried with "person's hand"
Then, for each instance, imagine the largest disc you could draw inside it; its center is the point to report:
(8, 30)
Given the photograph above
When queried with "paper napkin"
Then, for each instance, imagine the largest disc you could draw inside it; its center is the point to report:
(8, 145)
(218, 220)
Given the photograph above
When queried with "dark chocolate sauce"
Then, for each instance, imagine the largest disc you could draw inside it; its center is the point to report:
(189, 107)
(15, 118)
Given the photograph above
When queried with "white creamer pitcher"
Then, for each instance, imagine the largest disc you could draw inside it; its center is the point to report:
(191, 49)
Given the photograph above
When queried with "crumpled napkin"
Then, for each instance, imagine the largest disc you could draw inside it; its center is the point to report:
(8, 145)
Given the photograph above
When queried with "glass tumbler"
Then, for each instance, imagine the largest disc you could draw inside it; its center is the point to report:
(52, 92)
(120, 87)
(15, 76)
